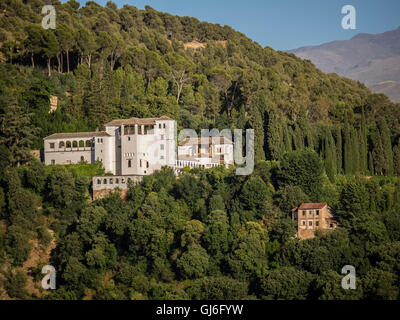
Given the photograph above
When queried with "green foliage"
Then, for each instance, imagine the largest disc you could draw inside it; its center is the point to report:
(16, 284)
(304, 169)
(208, 234)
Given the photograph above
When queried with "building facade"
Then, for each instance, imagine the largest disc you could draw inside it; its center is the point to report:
(205, 152)
(133, 148)
(311, 217)
(127, 147)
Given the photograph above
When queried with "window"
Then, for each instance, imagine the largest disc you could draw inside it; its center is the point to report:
(317, 223)
(51, 145)
(81, 144)
(163, 125)
(53, 161)
(98, 181)
(74, 144)
(162, 157)
(117, 181)
(140, 162)
(129, 138)
(317, 213)
(82, 158)
(331, 225)
(129, 163)
(303, 222)
(159, 126)
(147, 164)
(61, 144)
(111, 181)
(162, 147)
(105, 181)
(304, 213)
(310, 223)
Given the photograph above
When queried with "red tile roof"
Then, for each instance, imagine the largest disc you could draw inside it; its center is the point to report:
(307, 206)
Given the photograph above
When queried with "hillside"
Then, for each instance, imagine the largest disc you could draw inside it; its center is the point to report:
(369, 58)
(205, 234)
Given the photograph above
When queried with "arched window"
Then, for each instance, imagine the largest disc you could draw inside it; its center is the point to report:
(82, 158)
(98, 181)
(105, 181)
(61, 144)
(81, 143)
(74, 144)
(88, 144)
(68, 144)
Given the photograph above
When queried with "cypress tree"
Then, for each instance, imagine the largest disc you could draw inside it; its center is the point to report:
(363, 144)
(339, 149)
(377, 154)
(274, 136)
(347, 147)
(256, 123)
(330, 155)
(298, 138)
(387, 147)
(396, 158)
(371, 168)
(287, 138)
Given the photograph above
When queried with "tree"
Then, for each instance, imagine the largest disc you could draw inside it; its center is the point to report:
(248, 257)
(16, 284)
(17, 133)
(302, 168)
(290, 197)
(66, 38)
(192, 233)
(255, 195)
(273, 136)
(217, 288)
(193, 263)
(33, 42)
(286, 283)
(50, 47)
(180, 69)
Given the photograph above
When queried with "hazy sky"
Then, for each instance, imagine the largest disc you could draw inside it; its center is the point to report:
(283, 24)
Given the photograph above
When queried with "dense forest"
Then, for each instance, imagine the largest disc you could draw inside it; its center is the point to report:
(207, 234)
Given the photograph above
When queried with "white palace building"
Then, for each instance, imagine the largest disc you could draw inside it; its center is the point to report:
(132, 148)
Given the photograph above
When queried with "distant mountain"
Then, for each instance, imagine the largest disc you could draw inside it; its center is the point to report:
(373, 59)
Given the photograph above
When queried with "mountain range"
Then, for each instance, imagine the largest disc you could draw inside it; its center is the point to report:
(373, 59)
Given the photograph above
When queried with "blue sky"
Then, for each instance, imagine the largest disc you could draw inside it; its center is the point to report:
(283, 24)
